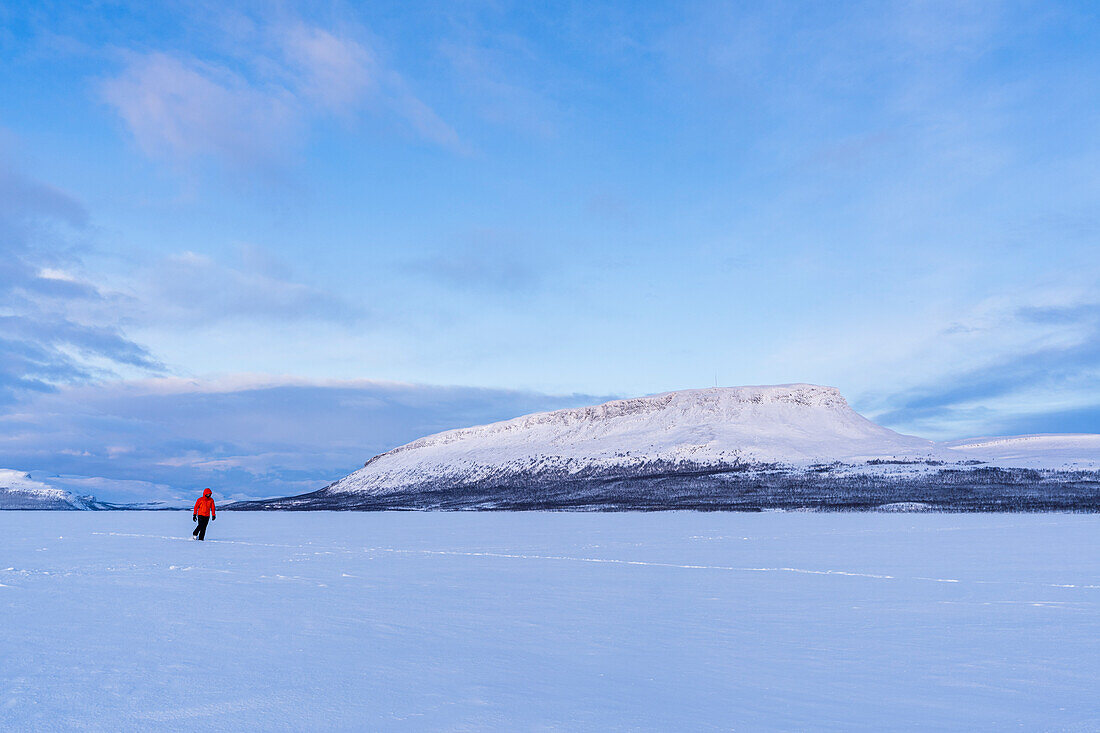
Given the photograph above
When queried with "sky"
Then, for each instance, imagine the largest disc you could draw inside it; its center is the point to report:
(253, 244)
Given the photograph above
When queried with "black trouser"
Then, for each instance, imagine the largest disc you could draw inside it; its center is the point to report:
(200, 528)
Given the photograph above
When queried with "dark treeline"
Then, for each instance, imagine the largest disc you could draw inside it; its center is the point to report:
(738, 488)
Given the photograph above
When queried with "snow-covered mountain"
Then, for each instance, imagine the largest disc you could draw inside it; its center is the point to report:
(19, 491)
(795, 424)
(741, 447)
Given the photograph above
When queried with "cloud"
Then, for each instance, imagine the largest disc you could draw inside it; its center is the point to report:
(1055, 374)
(485, 65)
(29, 202)
(195, 289)
(343, 75)
(52, 329)
(181, 108)
(791, 50)
(487, 261)
(610, 208)
(1075, 420)
(254, 108)
(60, 325)
(245, 435)
(336, 73)
(1087, 314)
(119, 491)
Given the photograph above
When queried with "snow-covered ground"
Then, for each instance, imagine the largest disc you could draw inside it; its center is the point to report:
(518, 621)
(1067, 451)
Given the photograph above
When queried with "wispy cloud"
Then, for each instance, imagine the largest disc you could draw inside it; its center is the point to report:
(1054, 372)
(180, 109)
(60, 325)
(196, 290)
(24, 201)
(336, 73)
(51, 326)
(486, 67)
(489, 261)
(254, 108)
(344, 76)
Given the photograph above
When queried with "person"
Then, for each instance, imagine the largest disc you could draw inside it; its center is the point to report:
(203, 513)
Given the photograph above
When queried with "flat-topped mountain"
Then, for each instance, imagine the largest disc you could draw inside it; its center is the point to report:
(782, 446)
(791, 424)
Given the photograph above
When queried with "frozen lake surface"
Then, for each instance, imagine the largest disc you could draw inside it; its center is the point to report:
(527, 621)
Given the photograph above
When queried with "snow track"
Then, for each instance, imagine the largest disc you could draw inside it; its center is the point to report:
(522, 621)
(610, 561)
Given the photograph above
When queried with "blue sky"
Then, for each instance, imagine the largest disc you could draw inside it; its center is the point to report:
(515, 206)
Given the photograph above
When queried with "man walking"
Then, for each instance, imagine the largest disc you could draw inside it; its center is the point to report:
(203, 513)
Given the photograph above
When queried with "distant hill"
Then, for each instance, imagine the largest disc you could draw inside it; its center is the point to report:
(19, 491)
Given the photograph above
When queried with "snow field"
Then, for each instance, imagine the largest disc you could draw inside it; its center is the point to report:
(534, 621)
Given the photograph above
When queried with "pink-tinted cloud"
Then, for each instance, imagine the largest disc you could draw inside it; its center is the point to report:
(257, 108)
(179, 109)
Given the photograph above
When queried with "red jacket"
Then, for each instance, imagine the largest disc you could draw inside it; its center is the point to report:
(204, 507)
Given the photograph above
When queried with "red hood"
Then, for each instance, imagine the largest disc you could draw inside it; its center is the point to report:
(206, 492)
